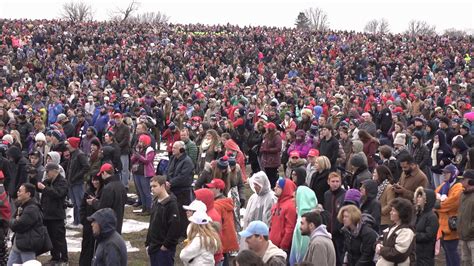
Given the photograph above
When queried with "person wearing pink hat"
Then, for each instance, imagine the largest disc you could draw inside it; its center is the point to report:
(270, 152)
(143, 170)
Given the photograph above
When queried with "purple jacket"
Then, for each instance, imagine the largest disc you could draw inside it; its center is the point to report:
(146, 159)
(303, 148)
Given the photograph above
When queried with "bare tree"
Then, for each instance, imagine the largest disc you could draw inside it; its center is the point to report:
(452, 32)
(153, 18)
(377, 26)
(372, 26)
(384, 27)
(418, 27)
(123, 14)
(76, 11)
(318, 19)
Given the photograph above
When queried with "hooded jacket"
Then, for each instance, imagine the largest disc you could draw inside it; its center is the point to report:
(443, 153)
(306, 201)
(284, 217)
(426, 227)
(240, 157)
(292, 165)
(359, 244)
(56, 158)
(466, 215)
(18, 171)
(259, 204)
(146, 158)
(370, 204)
(300, 176)
(111, 249)
(448, 208)
(225, 207)
(112, 155)
(274, 256)
(321, 246)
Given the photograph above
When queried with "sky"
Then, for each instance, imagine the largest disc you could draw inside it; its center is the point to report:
(342, 14)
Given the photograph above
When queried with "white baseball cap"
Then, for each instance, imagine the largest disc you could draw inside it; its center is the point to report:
(200, 217)
(196, 205)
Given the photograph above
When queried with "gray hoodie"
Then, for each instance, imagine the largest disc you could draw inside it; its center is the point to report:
(55, 158)
(321, 246)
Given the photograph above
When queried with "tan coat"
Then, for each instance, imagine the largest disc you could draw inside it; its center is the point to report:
(387, 196)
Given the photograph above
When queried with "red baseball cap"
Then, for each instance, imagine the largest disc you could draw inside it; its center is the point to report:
(216, 183)
(313, 153)
(118, 115)
(270, 125)
(294, 154)
(106, 167)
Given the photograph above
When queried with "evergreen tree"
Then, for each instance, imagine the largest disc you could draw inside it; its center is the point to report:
(302, 22)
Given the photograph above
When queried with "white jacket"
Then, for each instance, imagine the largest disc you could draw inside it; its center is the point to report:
(194, 254)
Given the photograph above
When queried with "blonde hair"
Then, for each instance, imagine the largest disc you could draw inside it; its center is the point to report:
(16, 136)
(323, 162)
(208, 236)
(354, 214)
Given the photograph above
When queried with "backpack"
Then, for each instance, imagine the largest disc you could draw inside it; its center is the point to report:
(162, 167)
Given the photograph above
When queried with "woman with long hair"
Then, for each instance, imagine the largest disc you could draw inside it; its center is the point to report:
(441, 156)
(202, 242)
(270, 152)
(370, 147)
(398, 244)
(319, 180)
(209, 149)
(385, 193)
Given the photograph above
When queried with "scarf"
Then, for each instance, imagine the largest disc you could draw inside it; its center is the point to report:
(381, 188)
(447, 185)
(434, 153)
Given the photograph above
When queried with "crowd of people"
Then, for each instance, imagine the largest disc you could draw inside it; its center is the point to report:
(358, 148)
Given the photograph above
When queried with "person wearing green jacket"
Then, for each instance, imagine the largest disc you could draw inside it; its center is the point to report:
(306, 201)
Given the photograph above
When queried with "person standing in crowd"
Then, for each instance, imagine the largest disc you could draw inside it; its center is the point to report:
(333, 201)
(122, 135)
(465, 218)
(53, 194)
(426, 226)
(225, 207)
(306, 201)
(449, 195)
(320, 250)
(180, 179)
(370, 147)
(369, 202)
(143, 170)
(111, 249)
(359, 237)
(441, 156)
(319, 179)
(256, 236)
(421, 154)
(385, 194)
(202, 241)
(412, 178)
(368, 124)
(329, 146)
(360, 171)
(87, 139)
(398, 245)
(283, 215)
(171, 135)
(27, 218)
(270, 152)
(18, 173)
(260, 203)
(163, 233)
(190, 146)
(94, 189)
(77, 170)
(113, 195)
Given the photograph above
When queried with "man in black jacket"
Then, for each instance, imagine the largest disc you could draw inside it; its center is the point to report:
(53, 194)
(18, 173)
(163, 232)
(122, 135)
(180, 179)
(76, 171)
(27, 218)
(114, 195)
(329, 146)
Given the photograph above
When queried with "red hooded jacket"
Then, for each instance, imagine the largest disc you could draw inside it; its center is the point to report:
(284, 217)
(225, 207)
(240, 158)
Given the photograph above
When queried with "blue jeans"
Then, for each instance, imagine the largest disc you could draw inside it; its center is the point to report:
(125, 174)
(162, 258)
(20, 257)
(450, 248)
(144, 190)
(76, 193)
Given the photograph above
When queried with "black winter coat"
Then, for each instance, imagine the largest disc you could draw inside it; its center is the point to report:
(30, 218)
(180, 173)
(370, 204)
(164, 225)
(78, 168)
(330, 149)
(426, 228)
(114, 196)
(52, 198)
(319, 184)
(333, 201)
(18, 171)
(359, 245)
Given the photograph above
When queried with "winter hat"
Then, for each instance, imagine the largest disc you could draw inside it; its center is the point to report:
(61, 117)
(172, 126)
(400, 139)
(74, 142)
(145, 139)
(352, 197)
(223, 162)
(418, 135)
(40, 137)
(51, 166)
(300, 133)
(8, 138)
(56, 134)
(232, 161)
(358, 161)
(445, 120)
(281, 182)
(93, 129)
